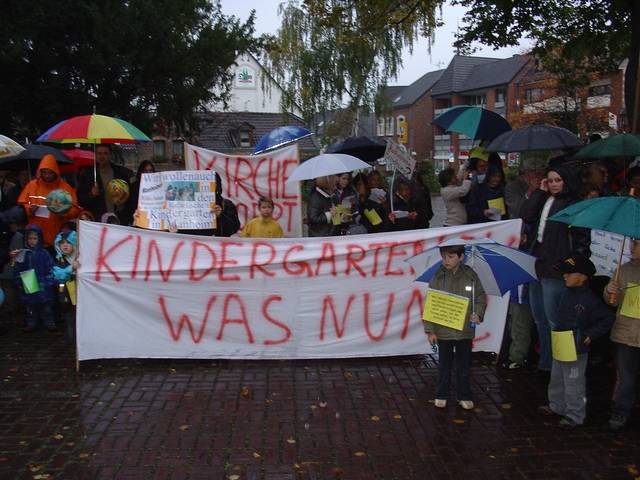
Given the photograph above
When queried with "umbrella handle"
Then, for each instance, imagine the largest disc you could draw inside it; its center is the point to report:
(613, 297)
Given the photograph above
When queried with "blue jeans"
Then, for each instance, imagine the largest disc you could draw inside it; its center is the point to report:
(39, 311)
(446, 358)
(627, 364)
(544, 299)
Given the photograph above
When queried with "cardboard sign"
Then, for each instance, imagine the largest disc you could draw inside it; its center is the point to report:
(631, 302)
(445, 309)
(30, 281)
(498, 204)
(398, 156)
(563, 346)
(372, 216)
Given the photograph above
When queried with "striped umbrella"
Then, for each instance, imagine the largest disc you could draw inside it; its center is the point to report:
(93, 129)
(8, 147)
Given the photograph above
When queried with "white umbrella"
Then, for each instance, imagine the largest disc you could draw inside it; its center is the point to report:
(8, 147)
(327, 164)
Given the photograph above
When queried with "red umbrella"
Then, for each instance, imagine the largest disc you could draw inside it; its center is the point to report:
(81, 158)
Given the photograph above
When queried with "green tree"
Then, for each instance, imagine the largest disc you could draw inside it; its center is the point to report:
(136, 59)
(594, 34)
(328, 52)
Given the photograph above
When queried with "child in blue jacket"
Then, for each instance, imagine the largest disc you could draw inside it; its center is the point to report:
(38, 305)
(585, 314)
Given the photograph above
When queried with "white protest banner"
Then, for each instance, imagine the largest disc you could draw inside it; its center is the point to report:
(398, 156)
(605, 251)
(246, 178)
(181, 198)
(148, 294)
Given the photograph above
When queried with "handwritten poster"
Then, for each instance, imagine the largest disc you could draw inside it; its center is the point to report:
(445, 309)
(631, 302)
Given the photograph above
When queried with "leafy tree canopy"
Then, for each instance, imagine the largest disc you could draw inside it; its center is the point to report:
(330, 51)
(592, 35)
(133, 59)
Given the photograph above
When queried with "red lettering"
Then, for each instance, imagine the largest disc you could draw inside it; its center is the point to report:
(242, 320)
(387, 318)
(416, 300)
(261, 266)
(327, 303)
(224, 261)
(377, 247)
(353, 259)
(186, 320)
(270, 319)
(136, 257)
(208, 166)
(193, 275)
(394, 252)
(481, 338)
(240, 178)
(153, 247)
(304, 268)
(101, 259)
(290, 206)
(285, 165)
(328, 255)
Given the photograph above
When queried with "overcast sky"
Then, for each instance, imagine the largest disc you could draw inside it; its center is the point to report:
(416, 65)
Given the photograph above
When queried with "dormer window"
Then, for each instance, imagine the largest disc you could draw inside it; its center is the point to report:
(242, 137)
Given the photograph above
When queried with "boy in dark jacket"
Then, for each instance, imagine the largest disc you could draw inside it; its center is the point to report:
(38, 304)
(584, 314)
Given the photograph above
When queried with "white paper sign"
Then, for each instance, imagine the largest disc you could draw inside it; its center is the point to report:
(398, 156)
(147, 294)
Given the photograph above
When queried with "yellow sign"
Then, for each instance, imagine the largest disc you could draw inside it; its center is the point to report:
(337, 217)
(403, 129)
(498, 204)
(631, 302)
(372, 216)
(563, 346)
(71, 288)
(445, 309)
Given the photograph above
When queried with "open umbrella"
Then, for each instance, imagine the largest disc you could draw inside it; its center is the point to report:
(8, 147)
(364, 147)
(534, 137)
(474, 122)
(279, 137)
(499, 268)
(326, 164)
(621, 145)
(80, 158)
(30, 157)
(93, 129)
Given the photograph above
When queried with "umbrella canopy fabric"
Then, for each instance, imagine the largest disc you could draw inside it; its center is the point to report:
(621, 145)
(326, 164)
(93, 129)
(364, 147)
(279, 137)
(534, 137)
(80, 158)
(9, 147)
(474, 122)
(499, 268)
(30, 157)
(619, 215)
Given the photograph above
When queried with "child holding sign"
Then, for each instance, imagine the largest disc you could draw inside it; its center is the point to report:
(582, 317)
(463, 293)
(625, 293)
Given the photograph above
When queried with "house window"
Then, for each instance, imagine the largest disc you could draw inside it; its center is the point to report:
(245, 138)
(533, 94)
(380, 129)
(478, 100)
(598, 90)
(390, 124)
(158, 149)
(177, 149)
(500, 96)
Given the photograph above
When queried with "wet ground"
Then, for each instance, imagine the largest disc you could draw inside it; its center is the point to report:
(281, 420)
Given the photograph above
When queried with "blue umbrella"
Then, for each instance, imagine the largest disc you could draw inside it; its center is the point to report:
(278, 137)
(499, 268)
(474, 122)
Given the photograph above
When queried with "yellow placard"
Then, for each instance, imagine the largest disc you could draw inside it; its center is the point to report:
(498, 204)
(71, 288)
(631, 302)
(372, 216)
(337, 217)
(563, 346)
(445, 309)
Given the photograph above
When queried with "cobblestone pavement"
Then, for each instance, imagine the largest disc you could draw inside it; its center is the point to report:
(282, 420)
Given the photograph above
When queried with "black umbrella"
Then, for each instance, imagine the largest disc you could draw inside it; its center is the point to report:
(365, 148)
(31, 156)
(534, 137)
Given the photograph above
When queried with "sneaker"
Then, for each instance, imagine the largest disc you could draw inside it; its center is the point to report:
(514, 366)
(617, 422)
(566, 423)
(546, 410)
(466, 404)
(440, 402)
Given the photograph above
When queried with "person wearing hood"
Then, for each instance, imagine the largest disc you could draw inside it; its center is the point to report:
(486, 201)
(33, 194)
(33, 276)
(64, 271)
(551, 242)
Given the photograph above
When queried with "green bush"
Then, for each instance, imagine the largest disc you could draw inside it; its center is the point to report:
(427, 171)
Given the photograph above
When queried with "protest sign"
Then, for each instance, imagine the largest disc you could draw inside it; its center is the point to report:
(563, 346)
(148, 294)
(247, 178)
(605, 250)
(445, 309)
(183, 199)
(398, 156)
(631, 302)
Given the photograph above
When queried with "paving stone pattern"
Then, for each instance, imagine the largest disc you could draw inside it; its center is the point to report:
(285, 420)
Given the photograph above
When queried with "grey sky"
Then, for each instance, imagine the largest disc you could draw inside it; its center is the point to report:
(416, 65)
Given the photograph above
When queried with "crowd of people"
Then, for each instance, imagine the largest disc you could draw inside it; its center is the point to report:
(39, 250)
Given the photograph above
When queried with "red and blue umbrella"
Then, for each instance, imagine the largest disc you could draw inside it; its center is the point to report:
(279, 137)
(476, 123)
